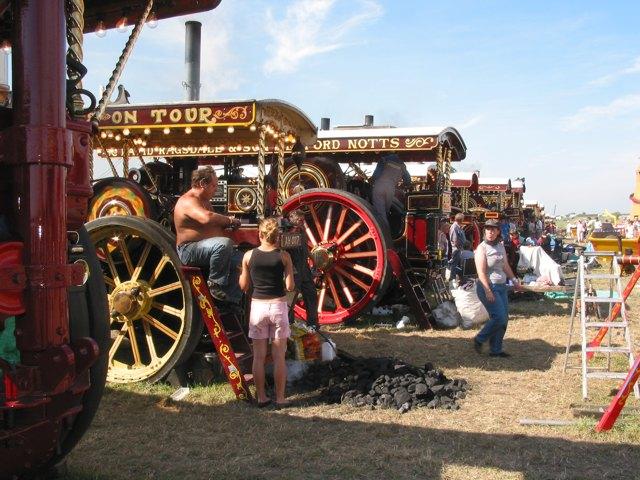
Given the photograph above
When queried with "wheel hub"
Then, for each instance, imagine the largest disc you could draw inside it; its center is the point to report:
(130, 300)
(324, 256)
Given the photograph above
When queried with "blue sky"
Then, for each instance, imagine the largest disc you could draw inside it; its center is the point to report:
(547, 90)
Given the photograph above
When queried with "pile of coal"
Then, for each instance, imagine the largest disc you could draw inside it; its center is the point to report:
(383, 382)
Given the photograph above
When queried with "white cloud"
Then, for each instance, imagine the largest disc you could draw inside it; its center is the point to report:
(618, 107)
(306, 30)
(610, 78)
(476, 119)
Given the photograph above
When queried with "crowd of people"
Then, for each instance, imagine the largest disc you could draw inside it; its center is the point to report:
(625, 227)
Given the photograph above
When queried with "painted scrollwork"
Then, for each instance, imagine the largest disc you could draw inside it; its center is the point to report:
(420, 142)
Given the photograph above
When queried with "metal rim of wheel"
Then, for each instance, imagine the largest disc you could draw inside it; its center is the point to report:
(348, 250)
(149, 297)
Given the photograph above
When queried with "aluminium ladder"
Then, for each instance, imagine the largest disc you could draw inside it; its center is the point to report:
(587, 301)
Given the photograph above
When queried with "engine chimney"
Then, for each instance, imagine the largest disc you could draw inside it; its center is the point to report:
(193, 32)
(325, 123)
(368, 120)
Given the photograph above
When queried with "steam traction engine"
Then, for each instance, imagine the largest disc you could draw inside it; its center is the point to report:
(348, 249)
(53, 312)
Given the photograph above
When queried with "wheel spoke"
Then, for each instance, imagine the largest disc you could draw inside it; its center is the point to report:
(316, 221)
(137, 360)
(117, 341)
(334, 292)
(161, 264)
(371, 253)
(310, 236)
(168, 309)
(343, 215)
(160, 326)
(150, 344)
(323, 292)
(109, 281)
(359, 268)
(345, 289)
(112, 266)
(327, 223)
(349, 231)
(122, 245)
(351, 278)
(357, 242)
(154, 292)
(141, 261)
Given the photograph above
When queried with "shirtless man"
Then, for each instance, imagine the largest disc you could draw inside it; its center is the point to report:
(200, 236)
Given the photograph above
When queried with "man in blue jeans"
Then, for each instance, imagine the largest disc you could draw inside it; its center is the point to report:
(201, 239)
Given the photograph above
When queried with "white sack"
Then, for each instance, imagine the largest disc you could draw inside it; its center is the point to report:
(469, 306)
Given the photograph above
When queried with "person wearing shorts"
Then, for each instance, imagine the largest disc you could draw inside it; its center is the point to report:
(268, 270)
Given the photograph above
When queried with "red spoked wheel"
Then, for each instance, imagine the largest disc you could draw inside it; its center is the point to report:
(347, 250)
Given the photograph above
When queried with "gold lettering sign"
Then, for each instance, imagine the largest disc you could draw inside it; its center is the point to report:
(373, 144)
(241, 114)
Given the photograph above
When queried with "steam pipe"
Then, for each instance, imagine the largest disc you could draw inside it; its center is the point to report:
(193, 35)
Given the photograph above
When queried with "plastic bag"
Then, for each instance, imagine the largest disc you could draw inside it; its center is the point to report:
(469, 306)
(446, 315)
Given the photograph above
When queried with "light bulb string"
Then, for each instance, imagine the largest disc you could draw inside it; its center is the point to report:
(122, 61)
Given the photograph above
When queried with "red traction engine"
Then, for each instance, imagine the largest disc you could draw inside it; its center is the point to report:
(53, 307)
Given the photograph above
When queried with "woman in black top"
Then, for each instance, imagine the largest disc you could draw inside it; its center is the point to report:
(269, 270)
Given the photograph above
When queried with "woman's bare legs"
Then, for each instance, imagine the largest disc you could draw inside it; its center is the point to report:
(278, 350)
(259, 357)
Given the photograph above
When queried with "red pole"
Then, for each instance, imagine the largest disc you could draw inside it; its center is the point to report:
(40, 159)
(610, 416)
(615, 311)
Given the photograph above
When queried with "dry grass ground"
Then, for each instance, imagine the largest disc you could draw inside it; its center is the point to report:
(138, 434)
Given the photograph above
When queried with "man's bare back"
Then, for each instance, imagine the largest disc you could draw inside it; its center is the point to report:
(194, 219)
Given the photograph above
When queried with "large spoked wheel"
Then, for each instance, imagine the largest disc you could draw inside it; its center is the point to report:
(347, 250)
(152, 325)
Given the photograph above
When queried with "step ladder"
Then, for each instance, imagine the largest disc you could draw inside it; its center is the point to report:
(413, 290)
(586, 303)
(440, 288)
(227, 334)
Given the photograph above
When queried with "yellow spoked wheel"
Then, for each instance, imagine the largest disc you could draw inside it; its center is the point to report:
(151, 317)
(119, 196)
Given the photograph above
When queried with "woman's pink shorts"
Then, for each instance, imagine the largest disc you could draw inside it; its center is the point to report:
(269, 319)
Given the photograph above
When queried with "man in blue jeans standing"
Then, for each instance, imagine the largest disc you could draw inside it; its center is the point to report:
(201, 239)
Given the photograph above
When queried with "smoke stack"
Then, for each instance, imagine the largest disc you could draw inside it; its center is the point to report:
(192, 59)
(368, 120)
(325, 123)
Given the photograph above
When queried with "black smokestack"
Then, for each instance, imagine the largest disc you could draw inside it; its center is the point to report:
(192, 59)
(325, 123)
(368, 120)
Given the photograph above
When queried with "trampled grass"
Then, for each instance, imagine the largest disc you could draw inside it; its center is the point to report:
(138, 434)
